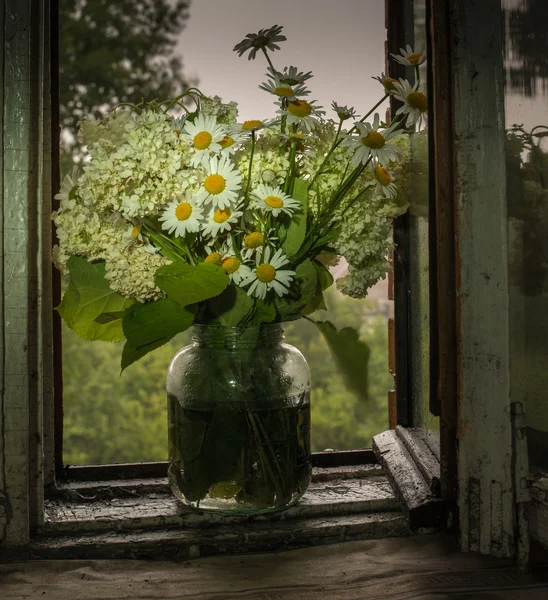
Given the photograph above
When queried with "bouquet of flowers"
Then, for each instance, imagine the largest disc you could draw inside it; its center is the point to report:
(184, 215)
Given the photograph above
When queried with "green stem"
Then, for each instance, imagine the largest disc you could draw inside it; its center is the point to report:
(367, 114)
(332, 149)
(288, 187)
(250, 166)
(268, 58)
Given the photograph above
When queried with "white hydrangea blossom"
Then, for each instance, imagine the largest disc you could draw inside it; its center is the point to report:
(130, 271)
(110, 131)
(141, 175)
(76, 230)
(214, 107)
(128, 268)
(365, 237)
(268, 166)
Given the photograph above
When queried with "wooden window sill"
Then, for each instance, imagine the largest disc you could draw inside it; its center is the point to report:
(141, 519)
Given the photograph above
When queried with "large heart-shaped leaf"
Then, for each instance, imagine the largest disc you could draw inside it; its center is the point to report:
(89, 295)
(151, 325)
(188, 285)
(351, 355)
(231, 307)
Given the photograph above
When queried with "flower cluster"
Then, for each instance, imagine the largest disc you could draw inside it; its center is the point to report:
(259, 203)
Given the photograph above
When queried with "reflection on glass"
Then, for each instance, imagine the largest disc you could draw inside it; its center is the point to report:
(526, 104)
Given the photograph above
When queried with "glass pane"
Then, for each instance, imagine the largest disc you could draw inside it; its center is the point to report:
(526, 104)
(106, 58)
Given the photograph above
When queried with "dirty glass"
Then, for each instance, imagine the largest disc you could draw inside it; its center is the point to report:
(526, 120)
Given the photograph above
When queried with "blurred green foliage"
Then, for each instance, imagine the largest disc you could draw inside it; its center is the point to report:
(113, 418)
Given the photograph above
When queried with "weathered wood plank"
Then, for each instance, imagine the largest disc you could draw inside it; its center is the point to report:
(258, 536)
(425, 460)
(421, 508)
(484, 427)
(85, 491)
(161, 509)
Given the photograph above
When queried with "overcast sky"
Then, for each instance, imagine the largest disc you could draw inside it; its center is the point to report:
(340, 41)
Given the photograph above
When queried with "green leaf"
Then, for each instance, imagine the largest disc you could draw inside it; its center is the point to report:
(289, 309)
(109, 317)
(89, 295)
(306, 278)
(325, 279)
(230, 307)
(297, 228)
(351, 355)
(188, 285)
(151, 325)
(265, 312)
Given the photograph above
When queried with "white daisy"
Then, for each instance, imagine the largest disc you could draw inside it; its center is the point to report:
(289, 76)
(221, 184)
(254, 125)
(181, 216)
(415, 102)
(236, 269)
(344, 112)
(273, 200)
(283, 90)
(301, 112)
(386, 80)
(370, 142)
(220, 219)
(229, 143)
(267, 275)
(264, 39)
(385, 183)
(134, 236)
(178, 124)
(410, 57)
(67, 193)
(204, 135)
(254, 240)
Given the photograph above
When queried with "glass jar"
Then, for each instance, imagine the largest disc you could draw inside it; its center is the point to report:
(239, 421)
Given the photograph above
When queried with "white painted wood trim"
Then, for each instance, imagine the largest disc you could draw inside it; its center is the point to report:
(486, 490)
(25, 323)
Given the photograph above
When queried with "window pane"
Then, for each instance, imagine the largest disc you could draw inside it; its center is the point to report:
(111, 418)
(526, 105)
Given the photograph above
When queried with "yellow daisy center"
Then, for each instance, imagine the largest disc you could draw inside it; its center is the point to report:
(382, 175)
(418, 101)
(213, 258)
(135, 231)
(388, 83)
(183, 211)
(414, 58)
(299, 108)
(202, 140)
(283, 90)
(253, 239)
(221, 215)
(226, 142)
(215, 184)
(247, 125)
(265, 273)
(374, 140)
(230, 265)
(274, 201)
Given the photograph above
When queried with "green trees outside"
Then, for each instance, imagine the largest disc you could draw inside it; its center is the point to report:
(113, 52)
(110, 418)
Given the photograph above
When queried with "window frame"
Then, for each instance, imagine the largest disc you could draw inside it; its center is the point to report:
(66, 472)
